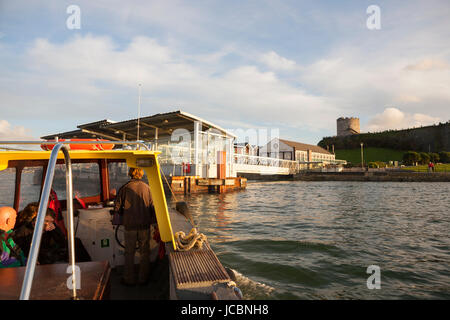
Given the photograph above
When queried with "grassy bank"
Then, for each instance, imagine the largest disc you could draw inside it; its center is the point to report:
(424, 168)
(374, 176)
(370, 155)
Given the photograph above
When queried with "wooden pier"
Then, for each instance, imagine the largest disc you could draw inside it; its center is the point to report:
(194, 184)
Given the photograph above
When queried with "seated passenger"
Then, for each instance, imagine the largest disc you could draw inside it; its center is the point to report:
(54, 246)
(27, 215)
(10, 253)
(55, 205)
(53, 243)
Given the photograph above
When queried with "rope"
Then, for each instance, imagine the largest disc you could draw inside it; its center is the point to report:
(173, 194)
(187, 242)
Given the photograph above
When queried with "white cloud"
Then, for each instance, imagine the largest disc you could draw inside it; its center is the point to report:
(345, 70)
(9, 132)
(404, 64)
(342, 84)
(94, 67)
(428, 64)
(277, 62)
(359, 82)
(393, 118)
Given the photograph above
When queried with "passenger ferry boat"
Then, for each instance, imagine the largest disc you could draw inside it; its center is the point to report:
(93, 171)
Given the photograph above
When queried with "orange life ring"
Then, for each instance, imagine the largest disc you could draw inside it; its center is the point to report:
(88, 146)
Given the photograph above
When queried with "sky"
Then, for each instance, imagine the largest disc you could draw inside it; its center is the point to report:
(294, 66)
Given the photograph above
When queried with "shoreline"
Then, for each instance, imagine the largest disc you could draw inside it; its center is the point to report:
(374, 176)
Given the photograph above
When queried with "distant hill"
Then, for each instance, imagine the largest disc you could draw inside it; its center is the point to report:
(431, 138)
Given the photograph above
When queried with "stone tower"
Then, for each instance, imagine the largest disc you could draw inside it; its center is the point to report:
(347, 126)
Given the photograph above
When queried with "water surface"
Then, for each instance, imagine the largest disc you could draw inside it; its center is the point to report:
(315, 240)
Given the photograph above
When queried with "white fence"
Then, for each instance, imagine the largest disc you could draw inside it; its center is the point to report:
(173, 156)
(263, 165)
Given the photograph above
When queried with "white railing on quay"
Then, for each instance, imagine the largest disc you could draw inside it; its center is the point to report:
(293, 166)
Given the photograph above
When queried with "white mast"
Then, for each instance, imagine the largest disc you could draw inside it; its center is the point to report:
(139, 112)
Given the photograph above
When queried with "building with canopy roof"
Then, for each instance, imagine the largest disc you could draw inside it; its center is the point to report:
(189, 145)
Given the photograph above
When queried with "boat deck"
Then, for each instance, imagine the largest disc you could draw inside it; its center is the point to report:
(50, 282)
(196, 288)
(99, 281)
(156, 289)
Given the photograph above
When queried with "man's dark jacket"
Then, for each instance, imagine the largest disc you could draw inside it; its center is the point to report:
(136, 204)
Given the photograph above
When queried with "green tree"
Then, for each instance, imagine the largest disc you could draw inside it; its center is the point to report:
(410, 158)
(444, 157)
(373, 165)
(434, 157)
(424, 158)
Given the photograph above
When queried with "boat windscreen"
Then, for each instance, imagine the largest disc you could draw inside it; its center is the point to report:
(7, 187)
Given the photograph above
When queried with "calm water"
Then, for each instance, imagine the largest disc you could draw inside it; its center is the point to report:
(315, 240)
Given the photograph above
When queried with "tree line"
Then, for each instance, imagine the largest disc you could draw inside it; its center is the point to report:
(413, 157)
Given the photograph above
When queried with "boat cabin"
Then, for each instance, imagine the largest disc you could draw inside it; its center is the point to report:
(96, 177)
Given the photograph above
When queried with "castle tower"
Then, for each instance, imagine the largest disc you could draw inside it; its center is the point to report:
(347, 126)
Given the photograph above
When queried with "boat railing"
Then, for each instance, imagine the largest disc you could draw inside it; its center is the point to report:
(138, 144)
(40, 220)
(43, 204)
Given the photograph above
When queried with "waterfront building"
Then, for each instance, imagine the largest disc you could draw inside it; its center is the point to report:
(193, 147)
(296, 151)
(189, 145)
(245, 148)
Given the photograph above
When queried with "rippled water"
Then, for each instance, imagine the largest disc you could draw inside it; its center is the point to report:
(315, 240)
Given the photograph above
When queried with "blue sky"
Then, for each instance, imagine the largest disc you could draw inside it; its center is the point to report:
(292, 65)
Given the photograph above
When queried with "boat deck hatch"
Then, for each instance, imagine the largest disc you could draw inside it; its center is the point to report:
(193, 269)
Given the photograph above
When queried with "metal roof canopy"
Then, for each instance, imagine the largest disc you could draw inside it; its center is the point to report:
(166, 123)
(305, 147)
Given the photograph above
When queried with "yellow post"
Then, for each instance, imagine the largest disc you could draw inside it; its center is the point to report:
(157, 191)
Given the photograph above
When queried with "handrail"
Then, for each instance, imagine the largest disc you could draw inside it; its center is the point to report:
(263, 161)
(260, 157)
(40, 219)
(139, 143)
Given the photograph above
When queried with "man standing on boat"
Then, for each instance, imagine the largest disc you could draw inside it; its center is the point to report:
(135, 204)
